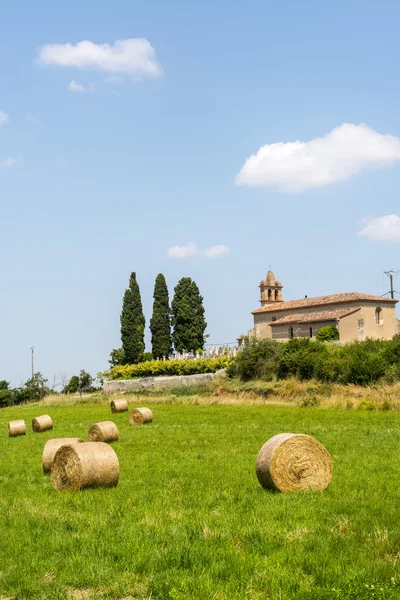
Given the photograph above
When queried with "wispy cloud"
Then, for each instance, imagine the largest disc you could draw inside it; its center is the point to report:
(191, 249)
(182, 251)
(4, 118)
(298, 166)
(382, 229)
(73, 86)
(6, 163)
(32, 119)
(135, 57)
(215, 251)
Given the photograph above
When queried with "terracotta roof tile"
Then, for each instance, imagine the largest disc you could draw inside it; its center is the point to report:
(314, 317)
(321, 301)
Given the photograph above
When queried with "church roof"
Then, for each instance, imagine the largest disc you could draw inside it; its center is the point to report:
(322, 301)
(315, 316)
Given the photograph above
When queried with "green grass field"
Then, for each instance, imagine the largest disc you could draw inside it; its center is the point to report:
(189, 519)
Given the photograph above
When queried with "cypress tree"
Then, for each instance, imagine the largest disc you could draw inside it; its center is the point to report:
(160, 325)
(187, 319)
(132, 323)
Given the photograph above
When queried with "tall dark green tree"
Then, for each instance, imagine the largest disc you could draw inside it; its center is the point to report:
(132, 323)
(160, 322)
(187, 317)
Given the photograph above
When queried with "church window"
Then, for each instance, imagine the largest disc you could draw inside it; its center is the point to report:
(269, 294)
(378, 316)
(310, 332)
(276, 294)
(291, 333)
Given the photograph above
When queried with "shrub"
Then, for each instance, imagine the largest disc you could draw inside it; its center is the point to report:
(392, 374)
(255, 361)
(298, 358)
(147, 356)
(154, 368)
(7, 397)
(328, 333)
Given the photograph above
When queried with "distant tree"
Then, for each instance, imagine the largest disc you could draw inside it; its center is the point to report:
(328, 333)
(85, 381)
(147, 356)
(72, 387)
(132, 323)
(117, 357)
(187, 317)
(160, 322)
(35, 388)
(6, 395)
(79, 383)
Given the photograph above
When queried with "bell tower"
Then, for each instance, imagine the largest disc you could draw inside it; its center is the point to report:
(270, 290)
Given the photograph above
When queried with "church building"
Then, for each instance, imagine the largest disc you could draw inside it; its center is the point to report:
(357, 316)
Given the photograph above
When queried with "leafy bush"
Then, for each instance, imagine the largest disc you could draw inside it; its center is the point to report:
(328, 333)
(255, 361)
(147, 356)
(33, 390)
(358, 363)
(154, 368)
(298, 358)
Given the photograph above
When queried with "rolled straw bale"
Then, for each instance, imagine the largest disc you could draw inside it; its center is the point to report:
(140, 416)
(42, 423)
(292, 462)
(51, 448)
(107, 431)
(16, 428)
(87, 465)
(119, 406)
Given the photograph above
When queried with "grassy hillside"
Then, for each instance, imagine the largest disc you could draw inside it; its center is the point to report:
(189, 520)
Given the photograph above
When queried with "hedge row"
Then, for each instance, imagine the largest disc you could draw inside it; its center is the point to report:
(360, 363)
(154, 368)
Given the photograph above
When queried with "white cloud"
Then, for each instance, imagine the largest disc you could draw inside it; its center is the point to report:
(32, 119)
(298, 166)
(382, 229)
(73, 86)
(134, 56)
(6, 163)
(191, 249)
(183, 251)
(3, 118)
(215, 251)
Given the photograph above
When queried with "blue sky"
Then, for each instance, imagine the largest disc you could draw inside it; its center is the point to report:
(144, 154)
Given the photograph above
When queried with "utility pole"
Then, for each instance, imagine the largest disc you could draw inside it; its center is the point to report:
(391, 274)
(33, 363)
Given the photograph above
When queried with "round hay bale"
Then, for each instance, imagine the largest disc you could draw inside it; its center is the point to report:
(107, 431)
(51, 448)
(42, 423)
(16, 428)
(140, 416)
(291, 462)
(87, 465)
(118, 406)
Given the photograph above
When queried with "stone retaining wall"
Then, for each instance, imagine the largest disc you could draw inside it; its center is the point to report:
(117, 386)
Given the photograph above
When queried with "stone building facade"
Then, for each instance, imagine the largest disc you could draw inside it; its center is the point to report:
(356, 315)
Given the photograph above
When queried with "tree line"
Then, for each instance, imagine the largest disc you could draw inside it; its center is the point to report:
(180, 325)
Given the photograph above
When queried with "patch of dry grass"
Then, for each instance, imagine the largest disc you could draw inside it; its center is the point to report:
(227, 392)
